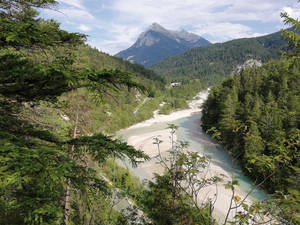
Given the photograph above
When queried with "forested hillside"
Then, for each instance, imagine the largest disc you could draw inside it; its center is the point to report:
(255, 114)
(61, 101)
(125, 107)
(215, 62)
(96, 59)
(58, 100)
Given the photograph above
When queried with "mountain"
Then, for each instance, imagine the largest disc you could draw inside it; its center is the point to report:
(157, 43)
(214, 62)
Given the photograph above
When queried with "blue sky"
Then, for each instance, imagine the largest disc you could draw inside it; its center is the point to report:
(114, 25)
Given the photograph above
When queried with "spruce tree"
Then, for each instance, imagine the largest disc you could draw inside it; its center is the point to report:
(38, 167)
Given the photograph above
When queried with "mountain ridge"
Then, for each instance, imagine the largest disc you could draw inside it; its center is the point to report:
(221, 59)
(157, 43)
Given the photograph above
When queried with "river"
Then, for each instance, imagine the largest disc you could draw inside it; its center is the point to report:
(189, 123)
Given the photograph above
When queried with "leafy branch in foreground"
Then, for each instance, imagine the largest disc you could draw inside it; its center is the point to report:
(41, 173)
(100, 146)
(292, 36)
(187, 174)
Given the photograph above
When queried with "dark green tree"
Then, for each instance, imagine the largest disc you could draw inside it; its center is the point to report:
(267, 109)
(36, 166)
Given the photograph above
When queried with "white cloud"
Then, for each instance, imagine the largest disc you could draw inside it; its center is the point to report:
(222, 20)
(190, 12)
(74, 3)
(293, 12)
(226, 31)
(71, 10)
(84, 27)
(72, 14)
(122, 36)
(78, 14)
(109, 46)
(118, 23)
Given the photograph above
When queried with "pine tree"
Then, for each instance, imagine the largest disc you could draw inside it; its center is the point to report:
(38, 167)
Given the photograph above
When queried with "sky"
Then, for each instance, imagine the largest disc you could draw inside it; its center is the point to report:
(114, 25)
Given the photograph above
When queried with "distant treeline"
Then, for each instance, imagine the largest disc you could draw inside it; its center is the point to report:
(215, 62)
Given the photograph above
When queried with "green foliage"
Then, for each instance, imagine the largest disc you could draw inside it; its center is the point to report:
(160, 206)
(291, 35)
(23, 80)
(100, 146)
(38, 169)
(256, 114)
(215, 62)
(176, 192)
(99, 60)
(122, 178)
(176, 98)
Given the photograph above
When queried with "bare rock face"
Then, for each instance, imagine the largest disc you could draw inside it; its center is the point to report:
(248, 63)
(189, 37)
(157, 43)
(146, 39)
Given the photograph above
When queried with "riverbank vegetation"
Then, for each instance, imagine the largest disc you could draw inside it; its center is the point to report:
(58, 99)
(176, 98)
(255, 114)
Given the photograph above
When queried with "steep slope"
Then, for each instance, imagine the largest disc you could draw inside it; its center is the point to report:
(115, 110)
(255, 114)
(99, 60)
(157, 43)
(214, 62)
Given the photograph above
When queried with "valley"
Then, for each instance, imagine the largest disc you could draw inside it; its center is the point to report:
(131, 124)
(142, 135)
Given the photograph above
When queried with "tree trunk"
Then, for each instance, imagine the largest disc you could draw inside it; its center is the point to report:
(67, 198)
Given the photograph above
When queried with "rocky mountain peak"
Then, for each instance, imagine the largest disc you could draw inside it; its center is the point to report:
(157, 43)
(156, 27)
(147, 38)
